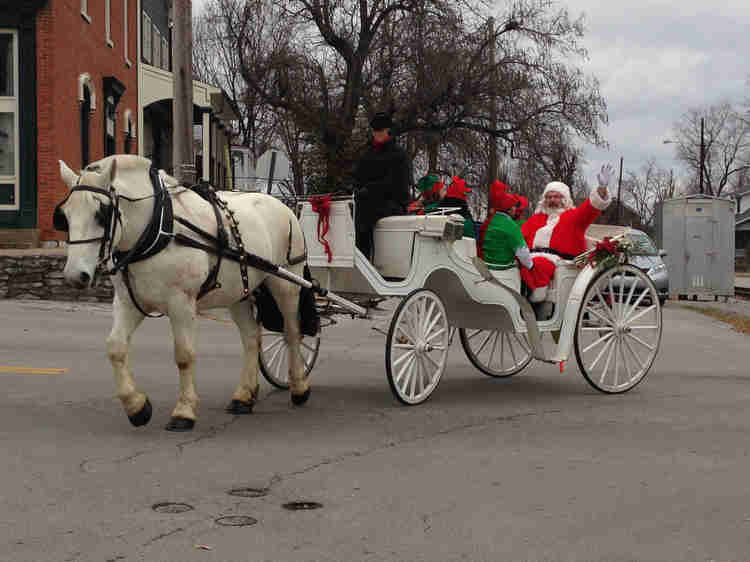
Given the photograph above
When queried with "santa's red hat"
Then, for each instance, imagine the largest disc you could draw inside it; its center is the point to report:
(457, 189)
(500, 199)
(560, 188)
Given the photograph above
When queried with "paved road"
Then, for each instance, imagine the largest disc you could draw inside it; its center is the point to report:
(538, 467)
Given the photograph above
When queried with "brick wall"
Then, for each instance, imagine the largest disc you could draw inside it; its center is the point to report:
(40, 277)
(69, 46)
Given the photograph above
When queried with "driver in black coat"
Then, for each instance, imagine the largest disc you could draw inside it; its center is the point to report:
(383, 176)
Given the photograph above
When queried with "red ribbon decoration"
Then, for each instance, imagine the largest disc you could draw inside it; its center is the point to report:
(322, 205)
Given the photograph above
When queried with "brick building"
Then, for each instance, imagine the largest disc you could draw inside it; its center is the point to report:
(80, 80)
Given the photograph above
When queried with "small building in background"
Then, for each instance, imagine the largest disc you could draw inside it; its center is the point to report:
(698, 235)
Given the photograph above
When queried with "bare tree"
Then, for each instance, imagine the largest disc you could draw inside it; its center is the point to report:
(645, 190)
(727, 146)
(216, 61)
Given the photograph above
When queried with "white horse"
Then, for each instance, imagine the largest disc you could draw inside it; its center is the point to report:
(110, 206)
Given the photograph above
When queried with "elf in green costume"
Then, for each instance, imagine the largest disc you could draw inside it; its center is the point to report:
(430, 191)
(500, 239)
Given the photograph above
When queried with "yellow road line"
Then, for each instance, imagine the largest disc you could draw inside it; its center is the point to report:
(32, 370)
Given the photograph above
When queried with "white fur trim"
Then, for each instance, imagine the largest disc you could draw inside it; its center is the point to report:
(559, 187)
(597, 201)
(554, 258)
(543, 236)
(538, 295)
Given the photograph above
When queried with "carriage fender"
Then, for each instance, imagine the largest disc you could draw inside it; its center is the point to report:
(572, 307)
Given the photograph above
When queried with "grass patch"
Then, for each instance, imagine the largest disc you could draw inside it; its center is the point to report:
(739, 322)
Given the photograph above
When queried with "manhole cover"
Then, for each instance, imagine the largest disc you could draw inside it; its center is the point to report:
(171, 507)
(236, 521)
(248, 492)
(302, 505)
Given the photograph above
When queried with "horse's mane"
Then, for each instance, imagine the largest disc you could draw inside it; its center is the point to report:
(131, 177)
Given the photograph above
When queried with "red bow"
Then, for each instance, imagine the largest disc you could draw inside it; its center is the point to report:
(322, 205)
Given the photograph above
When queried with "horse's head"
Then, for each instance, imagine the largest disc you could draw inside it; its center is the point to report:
(87, 214)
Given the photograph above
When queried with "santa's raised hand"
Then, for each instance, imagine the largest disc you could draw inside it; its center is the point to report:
(603, 177)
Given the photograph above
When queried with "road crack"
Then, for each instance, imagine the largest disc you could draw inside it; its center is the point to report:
(212, 432)
(279, 477)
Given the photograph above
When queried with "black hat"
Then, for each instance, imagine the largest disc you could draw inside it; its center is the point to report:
(380, 121)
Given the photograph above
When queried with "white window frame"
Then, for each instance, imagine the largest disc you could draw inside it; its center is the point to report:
(156, 49)
(125, 36)
(147, 53)
(108, 22)
(165, 53)
(85, 10)
(9, 104)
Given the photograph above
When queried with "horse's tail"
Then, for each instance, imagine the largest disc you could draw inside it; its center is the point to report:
(297, 247)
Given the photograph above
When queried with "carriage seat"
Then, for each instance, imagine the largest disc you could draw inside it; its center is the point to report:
(395, 238)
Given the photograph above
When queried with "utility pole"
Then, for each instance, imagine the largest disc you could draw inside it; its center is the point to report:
(619, 187)
(183, 161)
(492, 164)
(702, 159)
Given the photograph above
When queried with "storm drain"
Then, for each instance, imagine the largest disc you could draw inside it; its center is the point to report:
(248, 492)
(236, 521)
(172, 507)
(302, 505)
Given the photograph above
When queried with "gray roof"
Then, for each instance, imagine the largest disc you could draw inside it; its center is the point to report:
(744, 216)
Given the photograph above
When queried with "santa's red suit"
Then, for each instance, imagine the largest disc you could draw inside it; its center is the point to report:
(555, 236)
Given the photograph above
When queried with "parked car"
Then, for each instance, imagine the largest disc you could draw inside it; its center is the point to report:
(647, 258)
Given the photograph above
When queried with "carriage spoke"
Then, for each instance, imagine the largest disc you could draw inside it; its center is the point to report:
(640, 341)
(431, 360)
(403, 357)
(602, 339)
(405, 368)
(593, 311)
(617, 361)
(625, 363)
(641, 313)
(406, 334)
(431, 337)
(309, 348)
(601, 353)
(276, 343)
(635, 305)
(434, 320)
(502, 353)
(492, 350)
(635, 355)
(606, 364)
(512, 353)
(484, 343)
(604, 306)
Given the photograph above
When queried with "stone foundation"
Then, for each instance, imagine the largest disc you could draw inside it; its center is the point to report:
(40, 277)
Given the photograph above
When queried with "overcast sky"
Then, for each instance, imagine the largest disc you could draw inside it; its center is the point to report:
(655, 59)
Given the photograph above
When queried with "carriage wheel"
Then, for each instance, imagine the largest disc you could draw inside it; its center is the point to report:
(416, 349)
(619, 328)
(274, 357)
(495, 353)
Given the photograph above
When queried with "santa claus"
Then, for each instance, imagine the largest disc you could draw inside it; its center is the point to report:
(557, 230)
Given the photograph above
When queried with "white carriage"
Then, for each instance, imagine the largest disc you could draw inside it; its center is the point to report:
(611, 317)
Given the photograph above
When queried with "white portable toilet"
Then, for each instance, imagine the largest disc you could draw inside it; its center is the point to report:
(697, 233)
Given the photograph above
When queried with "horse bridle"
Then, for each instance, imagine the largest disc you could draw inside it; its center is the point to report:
(107, 216)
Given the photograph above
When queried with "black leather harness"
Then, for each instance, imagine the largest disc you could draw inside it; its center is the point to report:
(160, 232)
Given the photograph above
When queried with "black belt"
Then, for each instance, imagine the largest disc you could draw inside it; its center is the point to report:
(555, 252)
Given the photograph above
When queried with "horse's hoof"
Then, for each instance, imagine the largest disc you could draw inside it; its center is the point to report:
(239, 408)
(142, 417)
(180, 424)
(300, 399)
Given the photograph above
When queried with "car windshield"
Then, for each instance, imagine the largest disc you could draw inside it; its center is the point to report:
(642, 244)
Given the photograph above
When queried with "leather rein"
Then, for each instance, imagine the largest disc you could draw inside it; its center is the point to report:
(160, 232)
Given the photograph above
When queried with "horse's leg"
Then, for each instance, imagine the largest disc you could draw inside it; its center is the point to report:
(287, 298)
(126, 319)
(246, 393)
(183, 317)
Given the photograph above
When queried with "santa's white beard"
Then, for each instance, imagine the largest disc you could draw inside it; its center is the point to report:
(551, 211)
